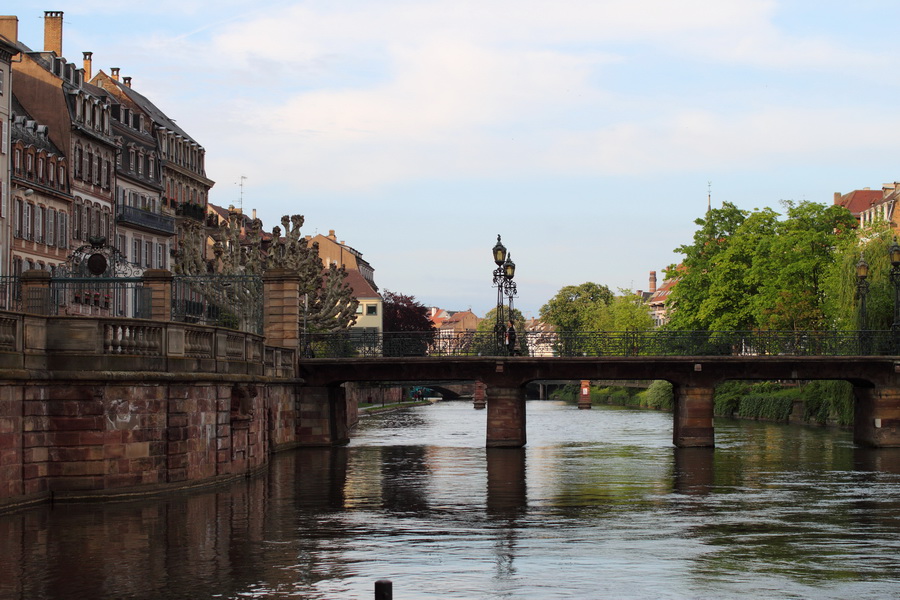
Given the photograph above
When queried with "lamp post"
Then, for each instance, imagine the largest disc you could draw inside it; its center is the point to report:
(894, 254)
(862, 289)
(503, 280)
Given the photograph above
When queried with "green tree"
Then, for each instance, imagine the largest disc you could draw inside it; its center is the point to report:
(577, 307)
(791, 267)
(691, 307)
(626, 312)
(756, 270)
(841, 302)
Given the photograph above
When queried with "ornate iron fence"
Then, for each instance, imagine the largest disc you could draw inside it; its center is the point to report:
(10, 293)
(232, 301)
(350, 344)
(97, 297)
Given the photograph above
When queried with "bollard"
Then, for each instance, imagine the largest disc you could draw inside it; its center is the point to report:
(384, 590)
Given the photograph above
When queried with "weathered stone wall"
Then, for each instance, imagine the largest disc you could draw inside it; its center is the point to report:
(81, 438)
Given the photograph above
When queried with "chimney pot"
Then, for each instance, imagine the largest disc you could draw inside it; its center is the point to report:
(652, 282)
(114, 73)
(53, 24)
(127, 81)
(87, 66)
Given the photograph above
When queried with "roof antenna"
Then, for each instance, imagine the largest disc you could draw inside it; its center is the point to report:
(708, 196)
(241, 201)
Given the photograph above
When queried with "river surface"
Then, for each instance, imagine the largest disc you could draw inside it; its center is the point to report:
(597, 505)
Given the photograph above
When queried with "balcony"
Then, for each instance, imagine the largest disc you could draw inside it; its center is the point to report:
(157, 223)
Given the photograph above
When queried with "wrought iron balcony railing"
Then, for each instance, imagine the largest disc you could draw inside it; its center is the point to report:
(145, 219)
(352, 344)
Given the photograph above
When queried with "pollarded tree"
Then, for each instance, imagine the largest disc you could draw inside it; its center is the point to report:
(238, 249)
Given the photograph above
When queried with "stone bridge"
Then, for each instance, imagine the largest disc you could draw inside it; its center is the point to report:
(876, 381)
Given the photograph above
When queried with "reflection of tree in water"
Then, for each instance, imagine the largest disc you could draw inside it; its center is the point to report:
(405, 477)
(760, 518)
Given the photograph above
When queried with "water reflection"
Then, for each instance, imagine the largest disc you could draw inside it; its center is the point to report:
(694, 470)
(597, 505)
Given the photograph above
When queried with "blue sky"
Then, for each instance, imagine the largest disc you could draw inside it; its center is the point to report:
(585, 132)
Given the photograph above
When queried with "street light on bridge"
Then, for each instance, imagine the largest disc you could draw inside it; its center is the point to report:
(506, 287)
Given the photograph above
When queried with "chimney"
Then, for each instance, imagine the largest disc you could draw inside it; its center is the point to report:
(331, 234)
(9, 28)
(53, 24)
(87, 66)
(254, 214)
(114, 73)
(127, 81)
(652, 282)
(838, 197)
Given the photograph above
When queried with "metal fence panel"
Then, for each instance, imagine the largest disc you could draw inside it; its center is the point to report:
(232, 301)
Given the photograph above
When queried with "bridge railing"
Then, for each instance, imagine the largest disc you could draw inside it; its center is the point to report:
(604, 343)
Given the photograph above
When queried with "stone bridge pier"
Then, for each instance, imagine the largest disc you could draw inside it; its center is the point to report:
(505, 416)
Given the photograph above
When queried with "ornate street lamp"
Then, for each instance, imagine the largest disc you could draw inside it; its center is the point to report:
(506, 287)
(862, 289)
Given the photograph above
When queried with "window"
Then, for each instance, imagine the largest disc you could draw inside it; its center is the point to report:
(136, 251)
(50, 231)
(120, 243)
(148, 254)
(17, 217)
(160, 256)
(62, 231)
(39, 224)
(27, 220)
(359, 309)
(371, 310)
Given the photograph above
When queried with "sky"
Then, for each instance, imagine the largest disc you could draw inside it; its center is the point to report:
(589, 134)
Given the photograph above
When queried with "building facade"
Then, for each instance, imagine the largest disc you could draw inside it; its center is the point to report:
(145, 224)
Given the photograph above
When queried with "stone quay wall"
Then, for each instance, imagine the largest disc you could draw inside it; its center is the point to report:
(100, 408)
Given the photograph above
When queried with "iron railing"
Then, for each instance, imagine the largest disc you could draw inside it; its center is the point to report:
(352, 344)
(232, 301)
(93, 297)
(10, 293)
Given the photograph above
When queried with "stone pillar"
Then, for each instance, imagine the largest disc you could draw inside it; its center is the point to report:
(876, 419)
(584, 399)
(478, 397)
(36, 292)
(693, 416)
(283, 308)
(159, 281)
(322, 418)
(506, 417)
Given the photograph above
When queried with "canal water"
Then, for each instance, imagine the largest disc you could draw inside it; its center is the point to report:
(598, 505)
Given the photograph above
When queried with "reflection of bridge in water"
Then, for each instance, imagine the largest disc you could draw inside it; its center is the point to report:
(868, 360)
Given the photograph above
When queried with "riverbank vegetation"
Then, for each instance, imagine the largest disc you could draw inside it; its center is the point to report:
(812, 402)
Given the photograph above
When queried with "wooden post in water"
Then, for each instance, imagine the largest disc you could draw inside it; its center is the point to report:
(384, 589)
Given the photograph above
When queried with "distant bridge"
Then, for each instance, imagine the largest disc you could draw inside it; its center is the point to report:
(694, 362)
